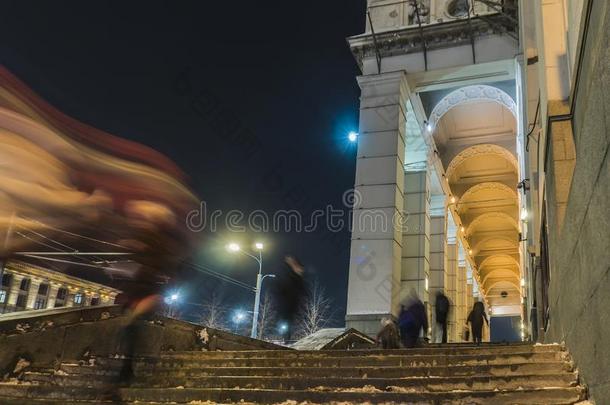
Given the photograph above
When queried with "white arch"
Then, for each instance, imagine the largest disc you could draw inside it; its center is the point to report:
(488, 185)
(499, 216)
(482, 149)
(497, 257)
(469, 94)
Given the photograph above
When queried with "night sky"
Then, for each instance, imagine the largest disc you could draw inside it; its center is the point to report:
(188, 78)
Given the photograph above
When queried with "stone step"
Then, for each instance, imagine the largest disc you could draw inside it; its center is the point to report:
(543, 368)
(455, 350)
(549, 395)
(356, 361)
(417, 384)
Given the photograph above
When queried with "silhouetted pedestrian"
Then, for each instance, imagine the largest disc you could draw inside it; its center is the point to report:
(388, 335)
(412, 319)
(290, 293)
(442, 312)
(475, 318)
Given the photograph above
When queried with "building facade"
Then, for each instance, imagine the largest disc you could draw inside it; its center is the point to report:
(482, 167)
(29, 287)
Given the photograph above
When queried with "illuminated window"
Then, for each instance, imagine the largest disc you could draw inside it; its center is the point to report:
(2, 296)
(41, 303)
(78, 298)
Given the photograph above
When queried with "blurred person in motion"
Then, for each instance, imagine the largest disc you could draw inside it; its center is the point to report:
(475, 319)
(290, 293)
(412, 320)
(442, 313)
(388, 336)
(84, 187)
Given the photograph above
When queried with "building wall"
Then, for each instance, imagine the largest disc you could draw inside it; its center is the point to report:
(579, 250)
(75, 292)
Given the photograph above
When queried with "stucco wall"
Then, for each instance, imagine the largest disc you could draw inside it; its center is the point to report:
(580, 253)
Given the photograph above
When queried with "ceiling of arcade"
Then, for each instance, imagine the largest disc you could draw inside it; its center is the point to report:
(476, 140)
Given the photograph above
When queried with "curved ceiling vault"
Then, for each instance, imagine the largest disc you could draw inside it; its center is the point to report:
(482, 171)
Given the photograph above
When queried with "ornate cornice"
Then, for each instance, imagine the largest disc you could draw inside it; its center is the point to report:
(437, 36)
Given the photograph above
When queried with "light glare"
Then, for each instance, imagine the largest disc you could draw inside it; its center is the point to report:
(352, 136)
(233, 247)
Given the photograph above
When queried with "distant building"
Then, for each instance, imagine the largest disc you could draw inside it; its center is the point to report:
(26, 286)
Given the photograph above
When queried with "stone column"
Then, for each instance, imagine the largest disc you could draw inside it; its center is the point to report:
(438, 264)
(14, 291)
(33, 293)
(53, 289)
(450, 288)
(461, 298)
(376, 247)
(416, 235)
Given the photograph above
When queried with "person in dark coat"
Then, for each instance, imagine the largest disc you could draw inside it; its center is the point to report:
(290, 292)
(412, 319)
(442, 313)
(475, 318)
(388, 336)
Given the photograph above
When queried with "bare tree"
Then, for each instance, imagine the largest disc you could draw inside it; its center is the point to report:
(316, 311)
(214, 312)
(266, 317)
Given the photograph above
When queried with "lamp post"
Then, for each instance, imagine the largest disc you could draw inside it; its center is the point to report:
(234, 247)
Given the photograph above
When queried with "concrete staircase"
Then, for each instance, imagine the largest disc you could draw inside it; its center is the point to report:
(450, 374)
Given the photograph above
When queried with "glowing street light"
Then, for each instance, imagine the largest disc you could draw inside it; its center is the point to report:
(174, 297)
(234, 247)
(352, 136)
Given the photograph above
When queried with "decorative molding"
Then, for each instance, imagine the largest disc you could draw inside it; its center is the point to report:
(488, 185)
(471, 94)
(483, 149)
(407, 40)
(493, 216)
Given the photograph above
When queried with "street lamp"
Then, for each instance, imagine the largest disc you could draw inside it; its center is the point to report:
(352, 136)
(171, 301)
(238, 318)
(234, 247)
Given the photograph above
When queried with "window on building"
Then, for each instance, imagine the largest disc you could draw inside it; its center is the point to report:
(21, 301)
(6, 280)
(95, 301)
(43, 289)
(25, 284)
(2, 296)
(41, 303)
(458, 8)
(78, 298)
(61, 294)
